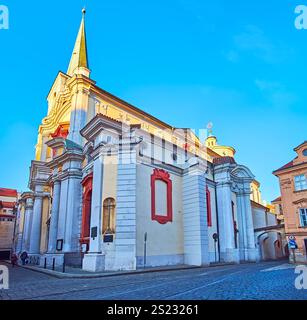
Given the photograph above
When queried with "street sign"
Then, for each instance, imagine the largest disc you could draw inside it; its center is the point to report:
(292, 238)
(292, 244)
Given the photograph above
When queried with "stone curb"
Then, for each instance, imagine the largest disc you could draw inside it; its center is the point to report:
(61, 275)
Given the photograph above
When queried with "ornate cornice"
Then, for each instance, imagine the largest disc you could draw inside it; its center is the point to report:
(70, 155)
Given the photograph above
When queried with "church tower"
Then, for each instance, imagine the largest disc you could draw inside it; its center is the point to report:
(79, 59)
(70, 107)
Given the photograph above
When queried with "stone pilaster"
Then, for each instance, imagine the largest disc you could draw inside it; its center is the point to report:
(196, 248)
(54, 217)
(74, 200)
(242, 177)
(36, 223)
(242, 228)
(228, 252)
(94, 259)
(27, 224)
(223, 179)
(125, 242)
(62, 210)
(19, 228)
(247, 240)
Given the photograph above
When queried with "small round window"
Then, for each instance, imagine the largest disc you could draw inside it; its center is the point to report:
(305, 152)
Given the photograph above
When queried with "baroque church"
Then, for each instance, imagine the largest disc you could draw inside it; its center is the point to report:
(114, 188)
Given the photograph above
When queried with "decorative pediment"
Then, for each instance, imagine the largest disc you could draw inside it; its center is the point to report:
(242, 172)
(161, 174)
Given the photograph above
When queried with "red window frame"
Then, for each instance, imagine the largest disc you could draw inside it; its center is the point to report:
(209, 213)
(87, 184)
(60, 132)
(161, 175)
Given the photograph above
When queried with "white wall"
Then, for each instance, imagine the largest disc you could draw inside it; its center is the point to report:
(213, 229)
(164, 242)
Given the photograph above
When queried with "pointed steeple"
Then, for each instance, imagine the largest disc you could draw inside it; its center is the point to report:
(79, 60)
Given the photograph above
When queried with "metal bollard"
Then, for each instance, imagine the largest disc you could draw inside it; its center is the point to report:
(53, 264)
(45, 263)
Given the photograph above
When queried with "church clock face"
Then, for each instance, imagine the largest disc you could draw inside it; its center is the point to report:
(305, 152)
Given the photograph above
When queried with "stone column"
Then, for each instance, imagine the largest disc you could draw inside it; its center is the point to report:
(248, 250)
(125, 242)
(54, 217)
(242, 228)
(94, 260)
(27, 224)
(74, 200)
(226, 231)
(36, 224)
(196, 244)
(19, 228)
(252, 250)
(62, 209)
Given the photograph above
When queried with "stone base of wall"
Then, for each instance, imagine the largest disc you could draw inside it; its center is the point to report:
(124, 261)
(230, 256)
(93, 262)
(49, 258)
(160, 261)
(34, 259)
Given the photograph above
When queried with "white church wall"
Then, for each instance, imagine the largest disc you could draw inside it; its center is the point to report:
(258, 217)
(211, 230)
(272, 221)
(164, 242)
(109, 191)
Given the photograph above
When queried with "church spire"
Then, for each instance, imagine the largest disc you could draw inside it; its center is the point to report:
(79, 60)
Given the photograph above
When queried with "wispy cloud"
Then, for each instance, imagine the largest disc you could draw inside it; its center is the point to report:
(254, 42)
(276, 93)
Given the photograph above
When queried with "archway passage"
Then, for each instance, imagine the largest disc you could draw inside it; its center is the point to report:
(86, 212)
(271, 245)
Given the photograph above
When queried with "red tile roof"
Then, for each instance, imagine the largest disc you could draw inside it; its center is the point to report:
(8, 192)
(276, 200)
(286, 166)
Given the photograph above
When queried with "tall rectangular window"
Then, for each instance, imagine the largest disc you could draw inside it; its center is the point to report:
(303, 217)
(300, 182)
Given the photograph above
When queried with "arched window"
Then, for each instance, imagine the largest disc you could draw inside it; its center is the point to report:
(108, 221)
(209, 214)
(161, 197)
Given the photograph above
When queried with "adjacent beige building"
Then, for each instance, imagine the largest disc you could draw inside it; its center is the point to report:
(293, 202)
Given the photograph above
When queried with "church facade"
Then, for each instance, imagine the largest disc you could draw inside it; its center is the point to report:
(114, 188)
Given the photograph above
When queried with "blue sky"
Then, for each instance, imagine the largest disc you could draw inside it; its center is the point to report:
(239, 64)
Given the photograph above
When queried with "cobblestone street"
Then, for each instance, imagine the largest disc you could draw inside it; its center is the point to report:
(273, 280)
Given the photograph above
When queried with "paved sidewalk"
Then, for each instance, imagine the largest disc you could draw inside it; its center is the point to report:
(78, 273)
